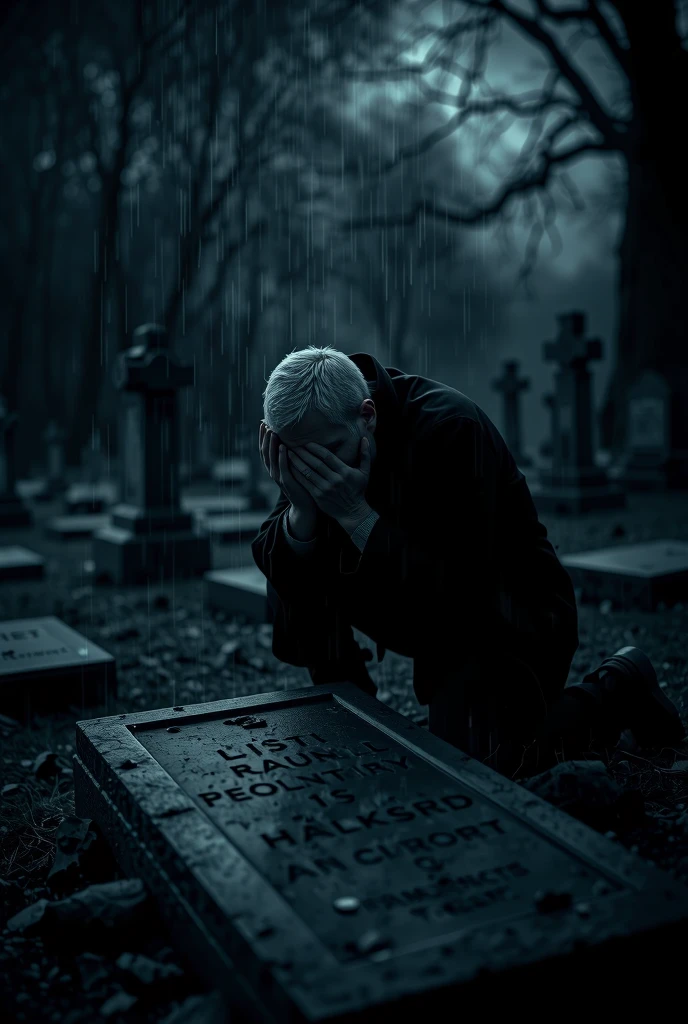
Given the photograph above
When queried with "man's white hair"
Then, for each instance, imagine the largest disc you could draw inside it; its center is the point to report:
(321, 379)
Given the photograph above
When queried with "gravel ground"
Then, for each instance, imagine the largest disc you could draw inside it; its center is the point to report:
(169, 651)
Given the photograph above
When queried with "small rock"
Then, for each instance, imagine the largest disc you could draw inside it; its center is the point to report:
(606, 607)
(209, 1008)
(146, 971)
(108, 906)
(74, 838)
(10, 788)
(119, 1003)
(45, 766)
(347, 904)
(9, 723)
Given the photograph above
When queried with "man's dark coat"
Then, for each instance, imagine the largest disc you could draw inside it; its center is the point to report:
(457, 566)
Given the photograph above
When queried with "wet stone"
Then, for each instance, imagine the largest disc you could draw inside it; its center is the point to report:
(632, 576)
(18, 563)
(321, 829)
(238, 592)
(45, 665)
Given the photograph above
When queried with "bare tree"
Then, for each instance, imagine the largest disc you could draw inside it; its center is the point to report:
(567, 118)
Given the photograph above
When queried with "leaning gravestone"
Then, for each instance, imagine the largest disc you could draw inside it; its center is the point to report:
(233, 528)
(13, 511)
(322, 858)
(632, 575)
(646, 465)
(511, 385)
(150, 538)
(17, 563)
(238, 592)
(75, 527)
(46, 666)
(574, 483)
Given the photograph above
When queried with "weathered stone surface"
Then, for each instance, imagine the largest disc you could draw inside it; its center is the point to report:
(320, 856)
(17, 563)
(632, 575)
(233, 528)
(238, 592)
(46, 665)
(89, 498)
(71, 527)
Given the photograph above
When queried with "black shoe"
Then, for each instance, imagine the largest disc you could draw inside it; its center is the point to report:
(626, 687)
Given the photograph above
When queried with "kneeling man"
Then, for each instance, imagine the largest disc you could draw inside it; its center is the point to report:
(402, 513)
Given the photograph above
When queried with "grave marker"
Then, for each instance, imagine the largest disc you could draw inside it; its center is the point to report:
(17, 563)
(45, 665)
(648, 434)
(510, 385)
(75, 527)
(150, 537)
(574, 483)
(88, 498)
(239, 592)
(632, 575)
(233, 528)
(321, 857)
(13, 511)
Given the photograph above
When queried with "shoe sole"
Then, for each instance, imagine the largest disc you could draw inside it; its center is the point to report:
(664, 726)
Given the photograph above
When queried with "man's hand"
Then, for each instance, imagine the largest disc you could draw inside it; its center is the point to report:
(274, 456)
(337, 489)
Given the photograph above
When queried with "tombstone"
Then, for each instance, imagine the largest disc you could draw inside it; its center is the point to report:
(511, 385)
(46, 666)
(149, 538)
(321, 857)
(13, 510)
(574, 483)
(75, 527)
(55, 482)
(632, 576)
(646, 463)
(202, 505)
(238, 592)
(234, 528)
(88, 499)
(232, 472)
(17, 563)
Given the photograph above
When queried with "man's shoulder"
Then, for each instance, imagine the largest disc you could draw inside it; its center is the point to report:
(430, 407)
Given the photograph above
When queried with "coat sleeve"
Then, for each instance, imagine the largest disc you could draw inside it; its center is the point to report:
(449, 570)
(292, 573)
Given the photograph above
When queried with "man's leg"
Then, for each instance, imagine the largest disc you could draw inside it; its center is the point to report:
(318, 637)
(497, 713)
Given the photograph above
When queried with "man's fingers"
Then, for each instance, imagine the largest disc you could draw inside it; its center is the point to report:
(314, 465)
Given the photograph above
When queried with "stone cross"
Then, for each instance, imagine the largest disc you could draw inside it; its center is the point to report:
(55, 437)
(13, 511)
(572, 441)
(511, 385)
(150, 536)
(149, 377)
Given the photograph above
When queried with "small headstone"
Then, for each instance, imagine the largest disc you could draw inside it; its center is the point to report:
(574, 483)
(646, 465)
(339, 859)
(234, 528)
(45, 665)
(511, 385)
(150, 537)
(17, 563)
(202, 505)
(13, 511)
(74, 527)
(234, 471)
(632, 575)
(238, 592)
(55, 482)
(88, 499)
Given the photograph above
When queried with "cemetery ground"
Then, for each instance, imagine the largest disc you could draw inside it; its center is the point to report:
(170, 650)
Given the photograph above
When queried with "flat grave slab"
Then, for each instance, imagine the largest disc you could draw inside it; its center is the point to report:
(17, 563)
(632, 575)
(72, 527)
(201, 505)
(321, 857)
(45, 665)
(233, 528)
(234, 470)
(89, 499)
(238, 592)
